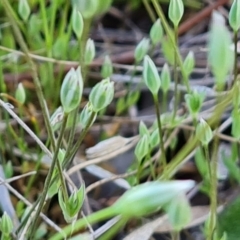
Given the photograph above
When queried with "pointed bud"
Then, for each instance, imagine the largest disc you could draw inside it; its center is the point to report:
(204, 132)
(24, 9)
(89, 53)
(73, 205)
(194, 102)
(86, 114)
(141, 50)
(220, 55)
(151, 76)
(107, 68)
(142, 148)
(20, 94)
(175, 11)
(234, 15)
(6, 225)
(77, 23)
(71, 90)
(88, 8)
(156, 32)
(189, 63)
(165, 78)
(102, 94)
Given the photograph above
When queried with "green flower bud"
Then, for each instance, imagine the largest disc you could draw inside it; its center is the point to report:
(141, 50)
(73, 205)
(189, 63)
(107, 68)
(102, 94)
(89, 53)
(24, 9)
(175, 11)
(194, 102)
(56, 118)
(142, 148)
(77, 23)
(165, 78)
(156, 32)
(220, 55)
(151, 76)
(6, 225)
(71, 90)
(86, 114)
(88, 8)
(148, 198)
(204, 132)
(20, 94)
(234, 15)
(103, 6)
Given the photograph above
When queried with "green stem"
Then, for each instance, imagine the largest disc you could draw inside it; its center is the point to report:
(36, 80)
(75, 148)
(149, 10)
(175, 75)
(83, 222)
(171, 38)
(235, 56)
(213, 189)
(162, 159)
(48, 178)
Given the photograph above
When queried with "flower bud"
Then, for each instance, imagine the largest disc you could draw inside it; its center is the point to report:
(107, 68)
(77, 23)
(234, 15)
(6, 225)
(151, 76)
(204, 132)
(102, 95)
(175, 11)
(24, 9)
(71, 90)
(88, 8)
(141, 50)
(156, 32)
(89, 53)
(165, 78)
(73, 205)
(142, 148)
(20, 94)
(86, 114)
(189, 63)
(149, 197)
(194, 102)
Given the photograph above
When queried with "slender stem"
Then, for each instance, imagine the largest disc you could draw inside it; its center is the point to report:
(149, 10)
(213, 188)
(75, 148)
(83, 222)
(180, 157)
(162, 159)
(171, 38)
(48, 178)
(235, 56)
(36, 80)
(175, 75)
